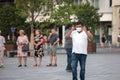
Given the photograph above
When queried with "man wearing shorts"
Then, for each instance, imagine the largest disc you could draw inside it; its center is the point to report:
(54, 39)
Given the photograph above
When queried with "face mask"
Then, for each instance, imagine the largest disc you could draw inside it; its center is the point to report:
(79, 29)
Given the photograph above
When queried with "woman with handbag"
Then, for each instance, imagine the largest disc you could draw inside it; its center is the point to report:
(21, 41)
(38, 47)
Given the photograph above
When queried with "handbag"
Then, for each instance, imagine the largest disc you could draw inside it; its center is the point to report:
(25, 48)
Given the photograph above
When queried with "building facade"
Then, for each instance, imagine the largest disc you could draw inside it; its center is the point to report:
(115, 22)
(105, 11)
(109, 20)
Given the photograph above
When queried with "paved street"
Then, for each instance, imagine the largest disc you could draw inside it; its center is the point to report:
(103, 65)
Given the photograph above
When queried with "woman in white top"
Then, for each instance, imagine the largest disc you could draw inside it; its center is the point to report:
(22, 40)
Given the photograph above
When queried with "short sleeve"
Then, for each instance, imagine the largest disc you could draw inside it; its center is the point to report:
(66, 32)
(57, 36)
(26, 39)
(86, 35)
(71, 34)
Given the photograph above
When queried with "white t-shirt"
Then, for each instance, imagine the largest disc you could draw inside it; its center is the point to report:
(80, 42)
(2, 41)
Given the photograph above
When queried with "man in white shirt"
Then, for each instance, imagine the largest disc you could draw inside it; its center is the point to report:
(80, 38)
(2, 48)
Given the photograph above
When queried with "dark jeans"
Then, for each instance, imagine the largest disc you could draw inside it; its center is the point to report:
(82, 61)
(69, 52)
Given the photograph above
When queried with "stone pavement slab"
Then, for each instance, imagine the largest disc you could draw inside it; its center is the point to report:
(103, 65)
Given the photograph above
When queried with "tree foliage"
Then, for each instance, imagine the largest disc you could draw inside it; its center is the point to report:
(88, 15)
(60, 14)
(32, 9)
(85, 13)
(9, 18)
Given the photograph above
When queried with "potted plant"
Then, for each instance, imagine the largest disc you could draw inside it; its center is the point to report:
(91, 46)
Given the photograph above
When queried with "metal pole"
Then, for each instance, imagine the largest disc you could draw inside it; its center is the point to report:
(13, 36)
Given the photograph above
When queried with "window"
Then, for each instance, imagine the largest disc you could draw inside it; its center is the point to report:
(77, 2)
(92, 2)
(110, 3)
(95, 3)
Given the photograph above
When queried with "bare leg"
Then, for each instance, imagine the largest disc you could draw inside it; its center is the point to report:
(35, 61)
(55, 59)
(103, 44)
(51, 58)
(20, 60)
(25, 60)
(40, 60)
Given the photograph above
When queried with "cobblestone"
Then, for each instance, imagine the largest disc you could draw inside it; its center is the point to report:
(103, 65)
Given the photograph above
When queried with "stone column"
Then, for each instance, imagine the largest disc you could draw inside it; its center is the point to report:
(115, 24)
(63, 37)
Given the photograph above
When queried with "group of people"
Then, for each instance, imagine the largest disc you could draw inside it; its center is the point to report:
(38, 47)
(76, 48)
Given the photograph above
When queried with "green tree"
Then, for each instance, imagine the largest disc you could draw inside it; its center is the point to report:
(61, 12)
(32, 9)
(9, 18)
(88, 15)
(44, 27)
(85, 13)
